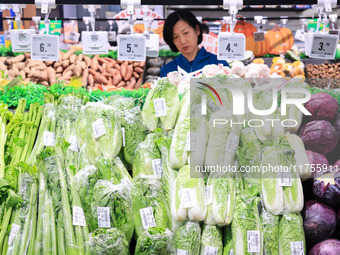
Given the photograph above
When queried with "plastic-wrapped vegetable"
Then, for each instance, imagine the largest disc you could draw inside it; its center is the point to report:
(120, 103)
(99, 128)
(154, 241)
(188, 197)
(221, 201)
(149, 203)
(292, 236)
(211, 241)
(246, 225)
(108, 241)
(134, 129)
(161, 106)
(270, 227)
(111, 206)
(187, 238)
(112, 169)
(147, 157)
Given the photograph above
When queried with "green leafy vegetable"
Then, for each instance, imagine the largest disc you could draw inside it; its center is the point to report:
(154, 241)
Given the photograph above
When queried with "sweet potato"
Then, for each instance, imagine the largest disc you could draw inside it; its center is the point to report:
(51, 75)
(94, 63)
(111, 71)
(110, 87)
(16, 59)
(27, 55)
(102, 61)
(85, 76)
(22, 74)
(21, 65)
(73, 58)
(131, 84)
(101, 69)
(80, 58)
(138, 70)
(65, 63)
(67, 75)
(123, 70)
(87, 60)
(136, 75)
(57, 64)
(27, 70)
(69, 68)
(59, 69)
(40, 68)
(142, 64)
(45, 83)
(139, 83)
(104, 66)
(100, 79)
(93, 72)
(68, 54)
(49, 63)
(117, 66)
(15, 70)
(77, 70)
(129, 73)
(91, 79)
(119, 62)
(121, 84)
(116, 79)
(135, 64)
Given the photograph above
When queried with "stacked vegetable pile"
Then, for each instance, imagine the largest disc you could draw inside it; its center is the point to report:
(97, 72)
(81, 177)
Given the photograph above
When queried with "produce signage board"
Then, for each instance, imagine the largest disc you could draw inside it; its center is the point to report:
(231, 46)
(131, 47)
(45, 47)
(324, 46)
(95, 42)
(21, 39)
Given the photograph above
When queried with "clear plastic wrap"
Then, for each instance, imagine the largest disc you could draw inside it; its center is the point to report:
(154, 241)
(188, 197)
(221, 203)
(270, 227)
(211, 241)
(149, 203)
(108, 242)
(111, 206)
(187, 238)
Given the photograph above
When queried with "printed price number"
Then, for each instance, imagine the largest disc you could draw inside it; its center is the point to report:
(157, 167)
(98, 128)
(21, 40)
(45, 47)
(148, 220)
(160, 107)
(103, 217)
(131, 47)
(324, 46)
(231, 46)
(95, 42)
(253, 241)
(78, 216)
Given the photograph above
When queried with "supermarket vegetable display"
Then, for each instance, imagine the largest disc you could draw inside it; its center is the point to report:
(109, 173)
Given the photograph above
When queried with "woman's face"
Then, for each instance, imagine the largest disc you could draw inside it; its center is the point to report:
(185, 38)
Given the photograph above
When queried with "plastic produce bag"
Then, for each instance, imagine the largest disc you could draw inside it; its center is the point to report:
(187, 238)
(211, 241)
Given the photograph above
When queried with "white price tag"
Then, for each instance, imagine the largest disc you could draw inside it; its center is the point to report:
(182, 252)
(98, 128)
(152, 45)
(285, 179)
(74, 37)
(210, 250)
(157, 167)
(74, 143)
(148, 220)
(14, 231)
(297, 248)
(258, 36)
(131, 47)
(95, 42)
(187, 197)
(231, 46)
(78, 216)
(123, 136)
(160, 107)
(103, 217)
(49, 139)
(45, 47)
(324, 46)
(21, 39)
(231, 252)
(209, 194)
(253, 241)
(300, 35)
(232, 143)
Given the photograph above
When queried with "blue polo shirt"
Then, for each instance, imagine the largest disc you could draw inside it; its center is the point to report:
(202, 59)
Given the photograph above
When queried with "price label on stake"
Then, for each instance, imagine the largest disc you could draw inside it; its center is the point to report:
(160, 107)
(45, 47)
(231, 46)
(78, 216)
(131, 47)
(297, 248)
(324, 46)
(157, 167)
(21, 39)
(152, 45)
(14, 231)
(95, 42)
(98, 128)
(258, 36)
(73, 143)
(187, 197)
(210, 250)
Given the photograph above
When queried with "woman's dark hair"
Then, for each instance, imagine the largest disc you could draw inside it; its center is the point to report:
(172, 19)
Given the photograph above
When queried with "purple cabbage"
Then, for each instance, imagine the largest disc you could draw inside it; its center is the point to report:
(322, 106)
(319, 136)
(319, 222)
(326, 188)
(327, 247)
(317, 159)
